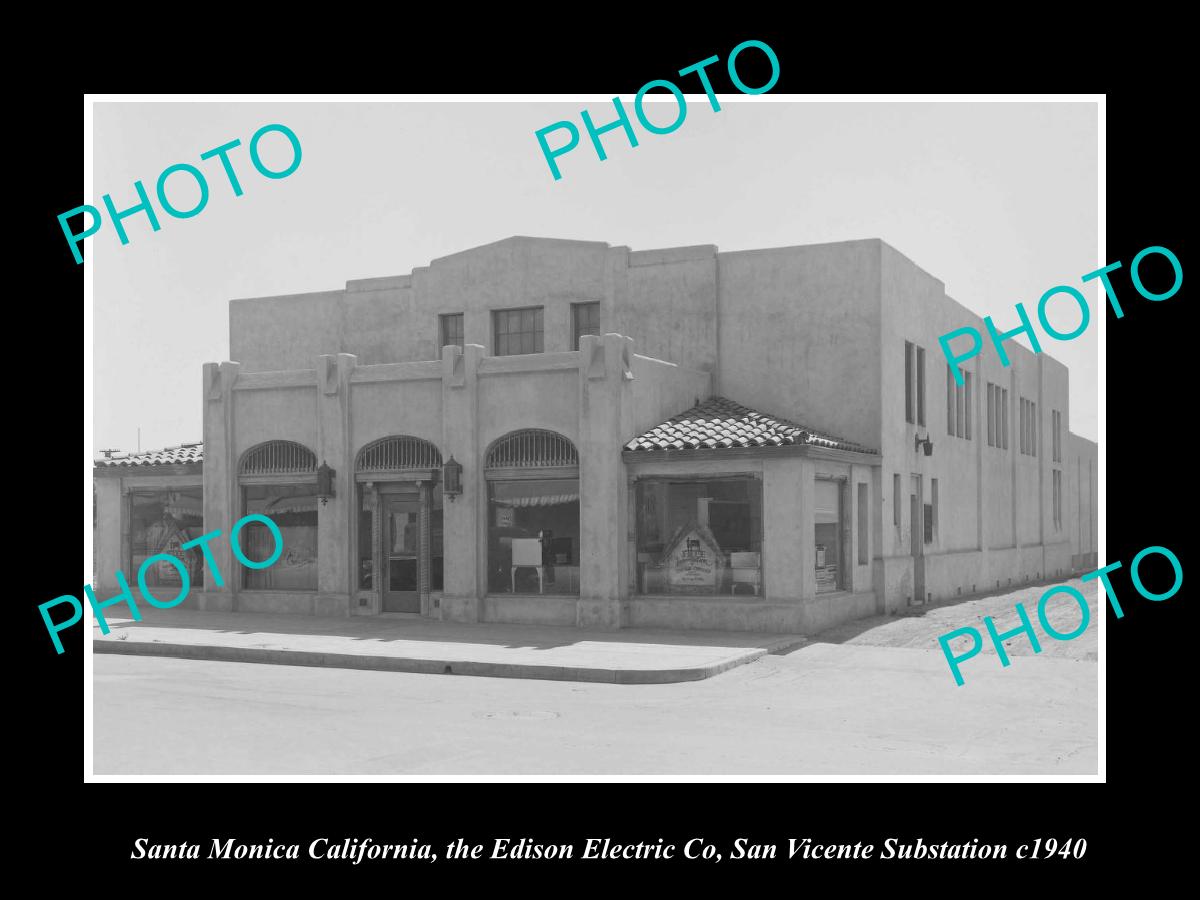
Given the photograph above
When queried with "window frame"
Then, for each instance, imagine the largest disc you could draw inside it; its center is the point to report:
(909, 365)
(538, 333)
(968, 399)
(576, 309)
(1004, 411)
(443, 319)
(921, 386)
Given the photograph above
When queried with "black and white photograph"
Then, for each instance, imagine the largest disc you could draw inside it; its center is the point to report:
(677, 435)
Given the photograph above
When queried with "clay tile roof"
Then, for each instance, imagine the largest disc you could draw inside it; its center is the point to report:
(168, 456)
(718, 423)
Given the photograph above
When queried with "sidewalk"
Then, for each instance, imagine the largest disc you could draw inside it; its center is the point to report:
(414, 644)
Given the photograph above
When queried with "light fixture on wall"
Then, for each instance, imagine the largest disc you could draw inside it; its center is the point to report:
(325, 476)
(451, 478)
(927, 441)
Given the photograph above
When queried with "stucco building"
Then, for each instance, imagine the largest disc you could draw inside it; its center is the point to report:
(569, 432)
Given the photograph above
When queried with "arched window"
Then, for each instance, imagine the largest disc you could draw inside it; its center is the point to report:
(531, 448)
(533, 513)
(398, 454)
(278, 458)
(278, 479)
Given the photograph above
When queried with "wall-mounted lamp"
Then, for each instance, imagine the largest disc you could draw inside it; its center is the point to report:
(325, 476)
(927, 441)
(451, 478)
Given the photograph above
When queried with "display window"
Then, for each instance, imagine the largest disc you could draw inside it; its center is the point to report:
(827, 531)
(161, 522)
(699, 536)
(533, 536)
(293, 509)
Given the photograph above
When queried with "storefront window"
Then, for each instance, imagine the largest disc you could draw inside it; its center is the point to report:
(533, 536)
(827, 519)
(162, 522)
(699, 536)
(293, 508)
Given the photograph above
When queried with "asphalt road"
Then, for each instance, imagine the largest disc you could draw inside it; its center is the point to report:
(826, 708)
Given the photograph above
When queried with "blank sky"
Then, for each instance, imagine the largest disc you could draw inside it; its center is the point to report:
(997, 200)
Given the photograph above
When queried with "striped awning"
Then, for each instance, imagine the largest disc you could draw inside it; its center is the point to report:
(273, 505)
(536, 493)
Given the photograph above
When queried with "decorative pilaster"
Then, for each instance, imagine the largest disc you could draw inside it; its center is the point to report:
(465, 580)
(221, 494)
(334, 553)
(605, 377)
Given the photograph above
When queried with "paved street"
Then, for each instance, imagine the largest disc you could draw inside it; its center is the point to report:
(878, 701)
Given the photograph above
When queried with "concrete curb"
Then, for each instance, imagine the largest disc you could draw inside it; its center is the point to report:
(426, 666)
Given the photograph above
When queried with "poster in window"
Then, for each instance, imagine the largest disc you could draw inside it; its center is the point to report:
(694, 562)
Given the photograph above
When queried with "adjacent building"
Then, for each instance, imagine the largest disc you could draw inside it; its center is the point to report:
(567, 432)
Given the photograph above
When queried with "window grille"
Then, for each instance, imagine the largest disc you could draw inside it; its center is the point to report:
(391, 454)
(278, 458)
(531, 448)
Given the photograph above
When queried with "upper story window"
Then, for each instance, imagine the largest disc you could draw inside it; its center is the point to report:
(1056, 425)
(517, 330)
(451, 330)
(959, 401)
(1028, 427)
(585, 319)
(914, 383)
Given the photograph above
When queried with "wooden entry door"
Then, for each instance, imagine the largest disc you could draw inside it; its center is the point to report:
(401, 551)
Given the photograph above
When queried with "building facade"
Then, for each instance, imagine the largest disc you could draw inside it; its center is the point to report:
(565, 432)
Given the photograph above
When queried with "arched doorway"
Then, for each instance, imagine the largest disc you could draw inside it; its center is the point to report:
(399, 522)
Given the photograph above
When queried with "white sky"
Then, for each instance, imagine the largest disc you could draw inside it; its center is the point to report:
(997, 200)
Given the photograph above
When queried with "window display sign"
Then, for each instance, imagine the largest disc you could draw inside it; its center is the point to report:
(694, 561)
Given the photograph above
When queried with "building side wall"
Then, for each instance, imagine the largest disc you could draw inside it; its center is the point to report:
(994, 521)
(281, 333)
(667, 300)
(1081, 499)
(799, 334)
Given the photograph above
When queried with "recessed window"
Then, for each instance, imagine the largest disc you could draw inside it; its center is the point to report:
(517, 331)
(991, 414)
(827, 530)
(959, 399)
(908, 382)
(1057, 502)
(932, 527)
(451, 327)
(862, 524)
(585, 319)
(920, 385)
(1004, 416)
(1028, 427)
